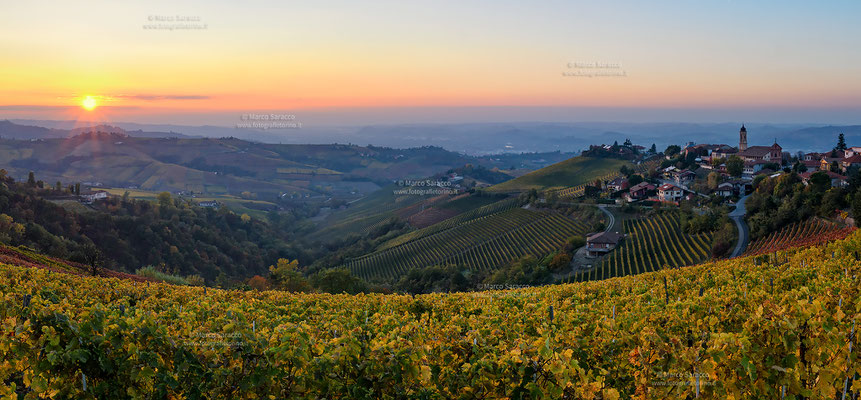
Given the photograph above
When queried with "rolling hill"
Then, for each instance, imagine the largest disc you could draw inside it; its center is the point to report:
(572, 172)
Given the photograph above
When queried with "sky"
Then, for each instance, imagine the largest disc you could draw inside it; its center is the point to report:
(432, 61)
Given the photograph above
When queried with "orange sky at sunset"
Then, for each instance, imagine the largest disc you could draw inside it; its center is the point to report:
(306, 57)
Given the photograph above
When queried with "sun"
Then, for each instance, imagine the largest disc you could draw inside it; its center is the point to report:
(89, 103)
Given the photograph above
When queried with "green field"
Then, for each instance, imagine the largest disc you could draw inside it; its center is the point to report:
(571, 172)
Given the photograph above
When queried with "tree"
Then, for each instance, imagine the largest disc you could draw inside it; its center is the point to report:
(77, 189)
(634, 179)
(31, 179)
(819, 182)
(164, 199)
(285, 275)
(713, 180)
(735, 166)
(93, 257)
(59, 186)
(338, 280)
(258, 283)
(799, 168)
(841, 142)
(856, 205)
(560, 262)
(653, 149)
(672, 150)
(834, 167)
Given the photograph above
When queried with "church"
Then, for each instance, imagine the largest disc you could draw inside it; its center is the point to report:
(753, 154)
(773, 153)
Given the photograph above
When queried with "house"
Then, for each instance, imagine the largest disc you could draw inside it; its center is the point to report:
(725, 189)
(618, 184)
(602, 243)
(752, 167)
(724, 152)
(208, 204)
(639, 191)
(837, 180)
(93, 196)
(684, 177)
(826, 162)
(670, 172)
(669, 192)
(814, 156)
(811, 165)
(849, 162)
(854, 150)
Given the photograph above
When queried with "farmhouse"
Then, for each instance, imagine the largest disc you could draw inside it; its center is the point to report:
(602, 243)
(93, 196)
(639, 191)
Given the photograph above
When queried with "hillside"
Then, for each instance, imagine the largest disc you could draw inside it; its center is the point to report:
(572, 172)
(810, 232)
(131, 234)
(487, 240)
(651, 244)
(731, 329)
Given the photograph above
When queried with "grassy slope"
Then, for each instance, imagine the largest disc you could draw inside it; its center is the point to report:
(571, 172)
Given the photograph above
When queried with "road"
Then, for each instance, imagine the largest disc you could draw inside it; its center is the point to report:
(611, 219)
(737, 215)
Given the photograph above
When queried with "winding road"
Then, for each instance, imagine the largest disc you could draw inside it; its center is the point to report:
(737, 216)
(611, 219)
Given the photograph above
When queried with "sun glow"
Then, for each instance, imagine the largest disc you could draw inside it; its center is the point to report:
(89, 103)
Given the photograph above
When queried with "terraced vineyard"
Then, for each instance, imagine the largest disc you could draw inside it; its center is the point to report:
(807, 233)
(482, 243)
(650, 245)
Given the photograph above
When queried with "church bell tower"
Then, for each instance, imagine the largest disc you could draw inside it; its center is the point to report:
(742, 138)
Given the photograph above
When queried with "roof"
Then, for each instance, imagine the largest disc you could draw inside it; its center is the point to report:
(833, 175)
(758, 151)
(743, 129)
(856, 159)
(605, 237)
(618, 181)
(668, 186)
(641, 186)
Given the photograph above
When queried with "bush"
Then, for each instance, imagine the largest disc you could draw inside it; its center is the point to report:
(151, 272)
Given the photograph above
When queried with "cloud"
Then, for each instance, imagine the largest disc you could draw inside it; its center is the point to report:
(153, 97)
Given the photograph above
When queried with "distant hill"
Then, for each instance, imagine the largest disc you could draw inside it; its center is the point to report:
(572, 172)
(10, 130)
(508, 137)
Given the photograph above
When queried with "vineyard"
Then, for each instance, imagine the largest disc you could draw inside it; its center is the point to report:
(782, 329)
(579, 190)
(483, 239)
(807, 233)
(650, 245)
